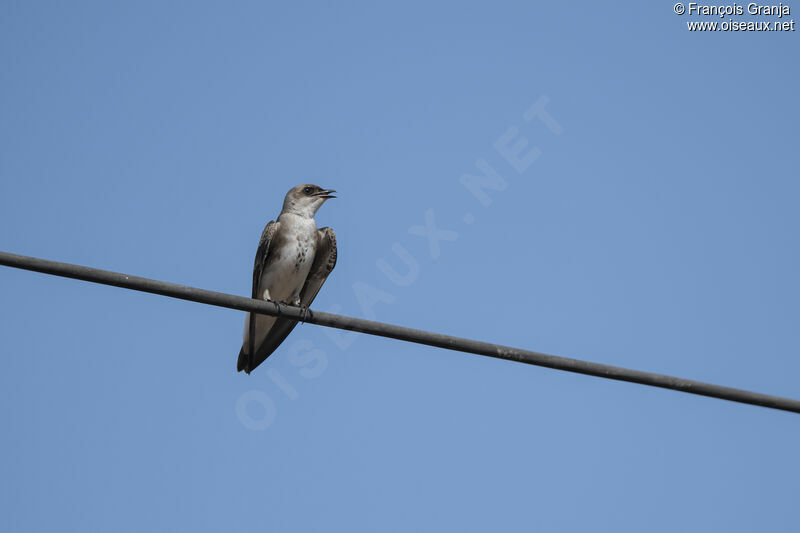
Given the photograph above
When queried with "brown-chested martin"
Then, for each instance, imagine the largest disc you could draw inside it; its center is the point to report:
(293, 260)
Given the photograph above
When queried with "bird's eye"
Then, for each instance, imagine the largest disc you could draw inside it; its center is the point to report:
(308, 190)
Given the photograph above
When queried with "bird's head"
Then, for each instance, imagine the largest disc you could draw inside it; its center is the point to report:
(304, 200)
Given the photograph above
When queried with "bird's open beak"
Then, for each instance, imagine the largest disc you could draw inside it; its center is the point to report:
(326, 194)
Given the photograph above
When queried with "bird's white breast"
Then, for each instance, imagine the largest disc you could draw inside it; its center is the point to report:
(290, 263)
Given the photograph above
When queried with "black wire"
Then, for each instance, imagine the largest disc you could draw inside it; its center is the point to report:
(381, 329)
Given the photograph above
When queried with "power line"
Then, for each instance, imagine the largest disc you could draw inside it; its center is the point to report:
(381, 329)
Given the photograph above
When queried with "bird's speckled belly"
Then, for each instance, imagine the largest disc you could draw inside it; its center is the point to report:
(288, 272)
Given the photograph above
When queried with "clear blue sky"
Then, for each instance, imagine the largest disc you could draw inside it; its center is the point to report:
(655, 228)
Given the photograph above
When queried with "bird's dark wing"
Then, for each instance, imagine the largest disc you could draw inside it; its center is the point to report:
(324, 261)
(262, 255)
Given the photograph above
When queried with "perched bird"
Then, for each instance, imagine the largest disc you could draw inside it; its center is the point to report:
(293, 260)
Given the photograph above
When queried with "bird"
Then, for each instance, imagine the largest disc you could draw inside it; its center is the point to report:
(293, 260)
